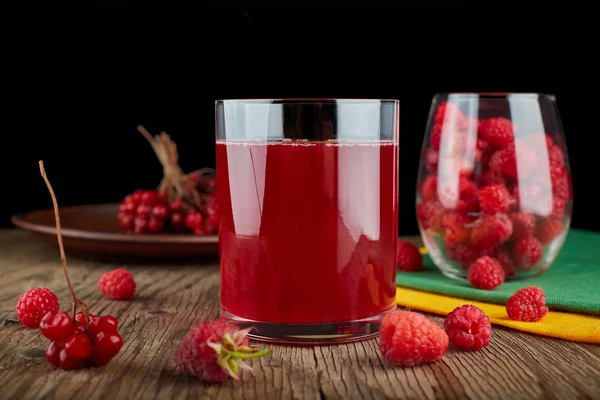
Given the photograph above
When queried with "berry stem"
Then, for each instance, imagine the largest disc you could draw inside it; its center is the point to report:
(63, 257)
(237, 354)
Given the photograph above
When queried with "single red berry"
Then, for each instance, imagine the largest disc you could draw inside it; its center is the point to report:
(408, 258)
(80, 321)
(149, 197)
(34, 304)
(155, 225)
(497, 131)
(178, 222)
(429, 187)
(194, 220)
(126, 221)
(57, 326)
(106, 346)
(429, 214)
(523, 224)
(213, 351)
(78, 345)
(486, 274)
(408, 338)
(431, 160)
(506, 261)
(160, 211)
(105, 323)
(468, 328)
(117, 284)
(456, 228)
(527, 304)
(175, 205)
(527, 252)
(136, 196)
(209, 184)
(491, 230)
(561, 189)
(494, 198)
(140, 225)
(549, 230)
(66, 362)
(53, 352)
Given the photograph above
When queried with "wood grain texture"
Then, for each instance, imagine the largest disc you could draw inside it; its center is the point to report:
(170, 299)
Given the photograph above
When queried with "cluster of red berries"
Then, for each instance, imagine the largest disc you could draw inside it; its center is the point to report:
(148, 211)
(489, 193)
(408, 338)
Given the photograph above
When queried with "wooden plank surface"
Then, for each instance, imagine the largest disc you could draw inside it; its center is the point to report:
(170, 299)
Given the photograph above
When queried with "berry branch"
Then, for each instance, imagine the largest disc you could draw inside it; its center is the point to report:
(63, 257)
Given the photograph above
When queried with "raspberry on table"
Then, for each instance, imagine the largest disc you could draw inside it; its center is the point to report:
(527, 252)
(523, 224)
(497, 131)
(34, 304)
(549, 230)
(408, 338)
(527, 304)
(117, 284)
(486, 274)
(491, 230)
(494, 198)
(468, 328)
(408, 258)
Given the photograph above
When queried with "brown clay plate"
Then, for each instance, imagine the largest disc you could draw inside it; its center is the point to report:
(92, 231)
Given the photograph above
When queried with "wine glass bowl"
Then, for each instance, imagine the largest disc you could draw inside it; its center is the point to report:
(494, 180)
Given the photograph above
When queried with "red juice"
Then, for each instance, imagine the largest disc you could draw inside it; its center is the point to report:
(308, 229)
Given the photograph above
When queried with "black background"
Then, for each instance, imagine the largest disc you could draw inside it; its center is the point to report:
(84, 86)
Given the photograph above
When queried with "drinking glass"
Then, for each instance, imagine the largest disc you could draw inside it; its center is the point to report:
(494, 181)
(308, 195)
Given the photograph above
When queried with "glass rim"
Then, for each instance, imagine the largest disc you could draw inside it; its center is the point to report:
(309, 100)
(497, 95)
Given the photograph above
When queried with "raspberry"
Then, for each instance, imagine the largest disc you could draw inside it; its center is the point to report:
(468, 328)
(466, 253)
(435, 137)
(491, 177)
(451, 115)
(523, 224)
(549, 230)
(408, 338)
(214, 351)
(527, 304)
(497, 131)
(34, 304)
(526, 196)
(431, 160)
(457, 194)
(486, 273)
(491, 230)
(409, 258)
(117, 284)
(456, 228)
(561, 189)
(506, 160)
(430, 214)
(429, 187)
(493, 199)
(527, 252)
(505, 260)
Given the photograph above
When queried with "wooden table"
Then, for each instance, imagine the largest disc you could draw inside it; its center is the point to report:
(170, 299)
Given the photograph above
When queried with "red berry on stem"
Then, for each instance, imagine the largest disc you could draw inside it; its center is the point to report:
(106, 346)
(78, 345)
(486, 274)
(57, 326)
(194, 220)
(105, 323)
(34, 304)
(117, 284)
(53, 352)
(178, 222)
(527, 304)
(66, 362)
(80, 321)
(468, 328)
(408, 258)
(214, 351)
(408, 338)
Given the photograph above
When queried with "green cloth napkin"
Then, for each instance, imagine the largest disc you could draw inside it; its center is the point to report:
(572, 283)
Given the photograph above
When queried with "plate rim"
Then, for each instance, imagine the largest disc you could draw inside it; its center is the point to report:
(21, 222)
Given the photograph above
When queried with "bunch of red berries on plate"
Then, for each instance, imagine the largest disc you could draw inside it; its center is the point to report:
(182, 203)
(80, 339)
(488, 190)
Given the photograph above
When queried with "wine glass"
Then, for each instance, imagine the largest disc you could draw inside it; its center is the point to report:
(494, 180)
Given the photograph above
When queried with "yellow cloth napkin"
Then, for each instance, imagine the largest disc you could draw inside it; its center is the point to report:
(568, 326)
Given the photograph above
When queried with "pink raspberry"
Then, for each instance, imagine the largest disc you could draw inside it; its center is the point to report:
(549, 230)
(527, 252)
(497, 131)
(523, 224)
(117, 284)
(34, 304)
(494, 198)
(486, 274)
(205, 351)
(527, 304)
(409, 258)
(408, 338)
(468, 328)
(491, 230)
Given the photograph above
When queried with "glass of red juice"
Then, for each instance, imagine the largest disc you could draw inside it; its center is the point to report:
(308, 196)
